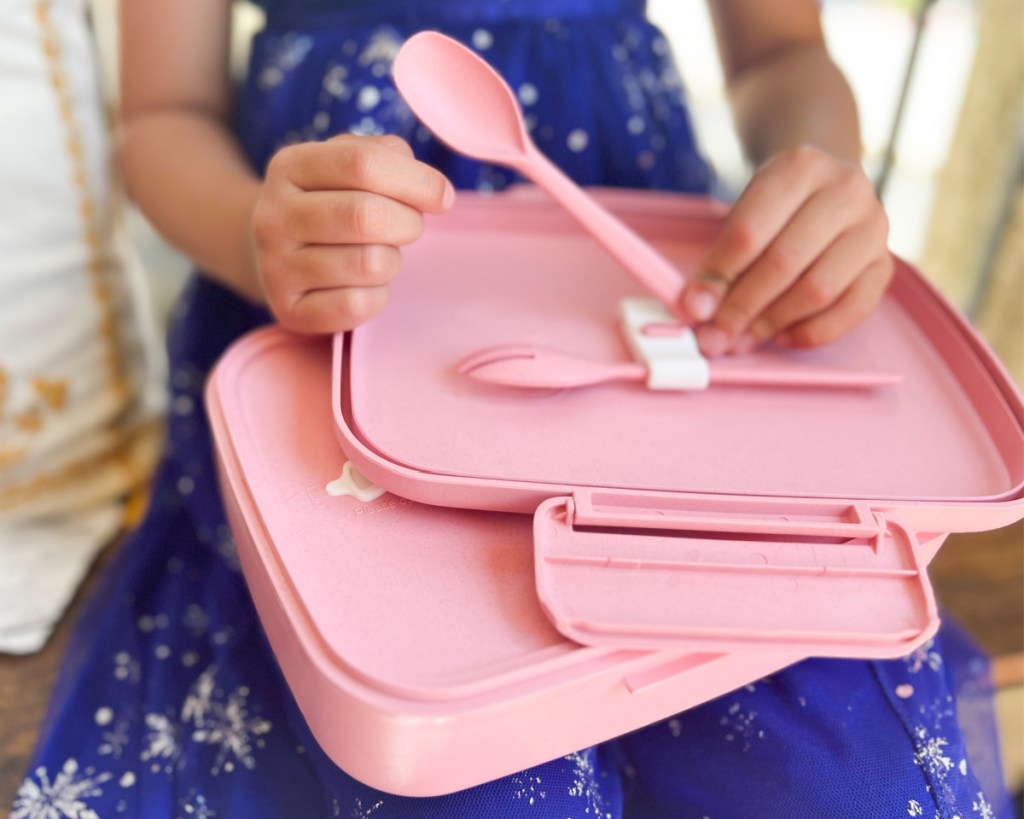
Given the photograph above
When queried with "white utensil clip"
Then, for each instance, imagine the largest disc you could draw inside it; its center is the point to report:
(665, 347)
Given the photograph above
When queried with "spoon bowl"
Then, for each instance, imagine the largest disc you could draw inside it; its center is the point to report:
(447, 81)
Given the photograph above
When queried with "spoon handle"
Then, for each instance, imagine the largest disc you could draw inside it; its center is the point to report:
(802, 377)
(661, 278)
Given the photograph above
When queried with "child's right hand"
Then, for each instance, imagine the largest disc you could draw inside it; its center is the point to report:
(329, 222)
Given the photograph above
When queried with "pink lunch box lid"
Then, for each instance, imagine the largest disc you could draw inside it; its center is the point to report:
(830, 486)
(944, 449)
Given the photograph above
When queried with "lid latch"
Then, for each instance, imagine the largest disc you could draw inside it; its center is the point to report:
(665, 347)
(711, 573)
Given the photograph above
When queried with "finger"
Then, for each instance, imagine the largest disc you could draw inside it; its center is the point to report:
(808, 235)
(350, 217)
(321, 267)
(378, 165)
(395, 143)
(850, 310)
(769, 201)
(334, 310)
(823, 284)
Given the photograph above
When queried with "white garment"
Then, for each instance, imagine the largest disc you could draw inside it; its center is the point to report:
(74, 436)
(42, 566)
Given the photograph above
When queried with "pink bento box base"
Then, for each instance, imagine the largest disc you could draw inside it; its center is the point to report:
(411, 635)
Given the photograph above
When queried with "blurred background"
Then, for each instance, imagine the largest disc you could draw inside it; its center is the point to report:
(940, 87)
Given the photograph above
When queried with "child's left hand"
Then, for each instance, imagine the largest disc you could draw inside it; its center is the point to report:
(802, 258)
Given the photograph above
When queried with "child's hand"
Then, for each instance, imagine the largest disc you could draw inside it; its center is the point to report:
(329, 222)
(802, 258)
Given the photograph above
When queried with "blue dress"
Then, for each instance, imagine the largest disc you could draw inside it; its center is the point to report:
(169, 702)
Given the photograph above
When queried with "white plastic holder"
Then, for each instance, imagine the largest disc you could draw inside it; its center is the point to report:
(665, 347)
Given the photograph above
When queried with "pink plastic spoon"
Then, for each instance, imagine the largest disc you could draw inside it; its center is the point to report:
(539, 368)
(469, 106)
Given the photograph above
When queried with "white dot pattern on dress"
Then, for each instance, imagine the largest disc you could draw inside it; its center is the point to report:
(528, 94)
(578, 140)
(369, 98)
(482, 39)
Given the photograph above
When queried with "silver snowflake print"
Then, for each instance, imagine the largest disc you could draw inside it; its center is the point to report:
(585, 784)
(223, 722)
(930, 753)
(982, 807)
(740, 724)
(194, 807)
(924, 655)
(62, 798)
(528, 787)
(361, 812)
(115, 740)
(162, 735)
(197, 703)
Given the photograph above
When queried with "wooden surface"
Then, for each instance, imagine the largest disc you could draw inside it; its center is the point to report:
(979, 578)
(982, 165)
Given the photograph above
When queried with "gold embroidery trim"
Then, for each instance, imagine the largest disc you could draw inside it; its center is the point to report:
(91, 234)
(54, 393)
(134, 454)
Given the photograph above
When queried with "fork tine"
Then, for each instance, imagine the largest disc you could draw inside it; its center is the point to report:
(492, 355)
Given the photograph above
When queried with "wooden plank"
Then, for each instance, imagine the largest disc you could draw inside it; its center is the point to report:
(984, 155)
(979, 580)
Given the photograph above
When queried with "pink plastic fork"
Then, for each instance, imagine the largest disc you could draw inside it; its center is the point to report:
(530, 367)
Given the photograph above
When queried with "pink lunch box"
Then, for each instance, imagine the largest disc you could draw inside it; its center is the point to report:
(550, 568)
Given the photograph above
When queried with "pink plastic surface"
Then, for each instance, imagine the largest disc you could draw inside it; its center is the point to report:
(411, 636)
(941, 451)
(832, 580)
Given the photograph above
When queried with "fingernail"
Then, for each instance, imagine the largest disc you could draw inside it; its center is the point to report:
(746, 343)
(713, 341)
(449, 195)
(702, 305)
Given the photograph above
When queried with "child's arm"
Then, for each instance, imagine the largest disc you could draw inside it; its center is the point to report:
(803, 257)
(319, 239)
